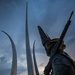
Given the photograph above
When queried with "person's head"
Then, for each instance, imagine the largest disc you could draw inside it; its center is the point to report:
(50, 45)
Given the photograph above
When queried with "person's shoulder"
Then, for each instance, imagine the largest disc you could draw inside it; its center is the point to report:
(61, 59)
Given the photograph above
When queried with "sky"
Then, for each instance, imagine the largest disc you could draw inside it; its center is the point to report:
(51, 15)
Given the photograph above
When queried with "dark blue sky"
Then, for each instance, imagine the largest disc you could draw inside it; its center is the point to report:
(51, 15)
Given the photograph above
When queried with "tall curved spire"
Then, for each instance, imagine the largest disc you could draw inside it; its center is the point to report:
(14, 56)
(34, 58)
(28, 52)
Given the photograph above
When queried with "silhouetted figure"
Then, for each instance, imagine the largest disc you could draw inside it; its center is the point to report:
(60, 62)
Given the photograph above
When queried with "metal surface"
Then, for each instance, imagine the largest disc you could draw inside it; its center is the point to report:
(14, 56)
(34, 58)
(28, 50)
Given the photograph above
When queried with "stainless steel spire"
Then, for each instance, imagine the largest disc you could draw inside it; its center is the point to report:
(34, 58)
(14, 57)
(28, 52)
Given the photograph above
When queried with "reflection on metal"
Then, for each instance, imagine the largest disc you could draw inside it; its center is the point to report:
(34, 58)
(14, 57)
(28, 52)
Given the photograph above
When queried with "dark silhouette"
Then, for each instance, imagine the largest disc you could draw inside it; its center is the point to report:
(60, 63)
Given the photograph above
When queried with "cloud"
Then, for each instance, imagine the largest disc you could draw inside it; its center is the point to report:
(41, 64)
(5, 71)
(52, 15)
(70, 40)
(22, 71)
(3, 60)
(5, 65)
